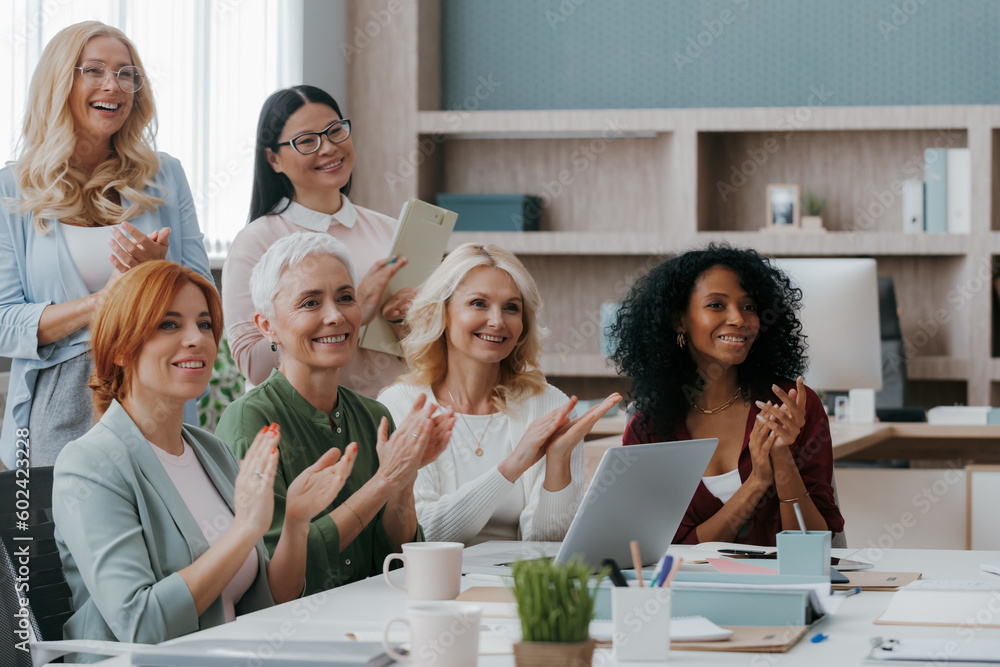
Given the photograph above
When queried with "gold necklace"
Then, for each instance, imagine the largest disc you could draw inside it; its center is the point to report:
(479, 440)
(698, 408)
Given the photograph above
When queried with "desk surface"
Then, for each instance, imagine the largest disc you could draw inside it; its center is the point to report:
(366, 605)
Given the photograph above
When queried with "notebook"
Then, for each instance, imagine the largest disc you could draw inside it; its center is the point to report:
(260, 652)
(939, 602)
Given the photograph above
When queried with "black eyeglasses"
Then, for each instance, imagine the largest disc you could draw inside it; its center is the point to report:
(95, 74)
(309, 142)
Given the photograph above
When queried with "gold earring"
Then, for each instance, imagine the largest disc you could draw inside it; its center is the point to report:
(681, 341)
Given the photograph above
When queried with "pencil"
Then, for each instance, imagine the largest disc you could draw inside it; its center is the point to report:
(636, 561)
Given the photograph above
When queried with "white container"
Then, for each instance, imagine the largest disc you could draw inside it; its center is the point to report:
(641, 618)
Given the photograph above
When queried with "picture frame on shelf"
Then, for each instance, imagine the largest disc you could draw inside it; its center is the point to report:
(783, 207)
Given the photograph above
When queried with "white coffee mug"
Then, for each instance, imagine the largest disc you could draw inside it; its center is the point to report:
(442, 634)
(433, 570)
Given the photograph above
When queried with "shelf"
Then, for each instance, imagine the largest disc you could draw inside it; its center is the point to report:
(777, 244)
(937, 368)
(577, 365)
(593, 122)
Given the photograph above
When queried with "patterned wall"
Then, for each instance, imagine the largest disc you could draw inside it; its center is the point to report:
(579, 54)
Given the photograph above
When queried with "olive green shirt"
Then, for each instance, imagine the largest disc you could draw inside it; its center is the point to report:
(306, 434)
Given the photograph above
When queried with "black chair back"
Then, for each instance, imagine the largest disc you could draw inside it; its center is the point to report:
(30, 568)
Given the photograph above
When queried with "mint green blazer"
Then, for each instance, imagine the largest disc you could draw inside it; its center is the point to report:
(124, 532)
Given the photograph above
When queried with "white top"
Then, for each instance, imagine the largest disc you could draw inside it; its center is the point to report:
(493, 434)
(723, 486)
(454, 506)
(212, 514)
(89, 250)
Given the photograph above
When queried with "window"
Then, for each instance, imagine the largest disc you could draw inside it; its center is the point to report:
(210, 65)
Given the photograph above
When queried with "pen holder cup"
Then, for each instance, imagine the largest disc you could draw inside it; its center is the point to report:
(804, 553)
(641, 619)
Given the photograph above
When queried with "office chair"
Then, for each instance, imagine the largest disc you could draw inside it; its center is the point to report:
(31, 572)
(890, 402)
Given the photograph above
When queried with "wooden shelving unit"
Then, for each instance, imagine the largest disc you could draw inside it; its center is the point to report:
(624, 187)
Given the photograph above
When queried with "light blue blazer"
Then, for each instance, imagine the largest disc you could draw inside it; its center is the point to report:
(124, 532)
(36, 270)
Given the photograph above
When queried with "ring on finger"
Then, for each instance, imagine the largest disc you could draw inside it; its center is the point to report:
(258, 473)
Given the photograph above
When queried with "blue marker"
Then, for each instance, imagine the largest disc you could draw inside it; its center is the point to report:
(818, 638)
(666, 564)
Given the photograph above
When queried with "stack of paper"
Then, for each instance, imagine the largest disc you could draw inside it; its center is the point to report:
(934, 602)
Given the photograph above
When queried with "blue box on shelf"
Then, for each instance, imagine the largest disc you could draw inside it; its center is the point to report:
(493, 212)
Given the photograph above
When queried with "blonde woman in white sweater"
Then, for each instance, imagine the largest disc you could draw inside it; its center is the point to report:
(514, 466)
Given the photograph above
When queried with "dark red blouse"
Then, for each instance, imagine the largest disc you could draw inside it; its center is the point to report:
(813, 453)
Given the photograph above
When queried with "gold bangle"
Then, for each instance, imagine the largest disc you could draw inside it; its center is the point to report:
(793, 500)
(363, 525)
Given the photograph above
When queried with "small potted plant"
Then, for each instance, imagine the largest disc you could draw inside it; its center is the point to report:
(812, 206)
(555, 603)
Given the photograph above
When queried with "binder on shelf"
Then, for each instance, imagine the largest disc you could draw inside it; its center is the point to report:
(913, 207)
(936, 190)
(959, 191)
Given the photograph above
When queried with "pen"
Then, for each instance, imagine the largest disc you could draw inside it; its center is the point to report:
(742, 552)
(636, 561)
(798, 517)
(662, 570)
(616, 576)
(673, 572)
(394, 259)
(851, 591)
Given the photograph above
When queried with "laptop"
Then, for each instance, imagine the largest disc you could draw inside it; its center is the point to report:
(639, 492)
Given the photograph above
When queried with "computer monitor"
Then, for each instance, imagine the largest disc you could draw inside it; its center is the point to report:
(840, 318)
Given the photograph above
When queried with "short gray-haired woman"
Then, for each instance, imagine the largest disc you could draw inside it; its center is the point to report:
(514, 468)
(304, 293)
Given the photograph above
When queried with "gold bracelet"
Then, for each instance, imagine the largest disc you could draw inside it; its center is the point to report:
(363, 525)
(793, 500)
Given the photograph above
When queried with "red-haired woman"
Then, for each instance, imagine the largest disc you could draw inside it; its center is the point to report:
(158, 528)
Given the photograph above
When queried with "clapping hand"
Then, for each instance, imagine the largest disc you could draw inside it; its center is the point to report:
(253, 496)
(318, 485)
(562, 442)
(402, 454)
(127, 253)
(785, 421)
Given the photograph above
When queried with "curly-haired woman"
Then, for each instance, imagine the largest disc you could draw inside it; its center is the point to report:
(88, 199)
(711, 339)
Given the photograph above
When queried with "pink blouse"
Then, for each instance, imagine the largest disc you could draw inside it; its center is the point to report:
(367, 234)
(212, 514)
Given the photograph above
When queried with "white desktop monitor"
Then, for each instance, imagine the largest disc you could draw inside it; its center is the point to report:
(840, 318)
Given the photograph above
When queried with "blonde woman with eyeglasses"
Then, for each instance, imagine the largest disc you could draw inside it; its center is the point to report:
(88, 199)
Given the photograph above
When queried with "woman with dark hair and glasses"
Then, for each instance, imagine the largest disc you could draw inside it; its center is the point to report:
(88, 199)
(302, 176)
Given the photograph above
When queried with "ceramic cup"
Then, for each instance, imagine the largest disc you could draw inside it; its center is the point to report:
(433, 570)
(442, 634)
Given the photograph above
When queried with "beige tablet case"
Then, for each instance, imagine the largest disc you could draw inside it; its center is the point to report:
(421, 237)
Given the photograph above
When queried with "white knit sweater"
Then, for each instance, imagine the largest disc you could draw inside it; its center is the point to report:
(451, 507)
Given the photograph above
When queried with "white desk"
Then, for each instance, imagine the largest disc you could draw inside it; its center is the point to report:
(366, 605)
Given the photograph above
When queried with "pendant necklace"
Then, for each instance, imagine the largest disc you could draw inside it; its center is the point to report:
(479, 440)
(698, 408)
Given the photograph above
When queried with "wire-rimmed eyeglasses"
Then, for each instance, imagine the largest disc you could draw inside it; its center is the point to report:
(309, 142)
(95, 74)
